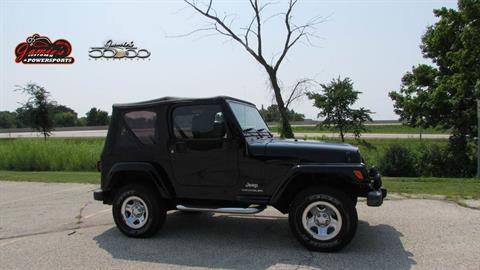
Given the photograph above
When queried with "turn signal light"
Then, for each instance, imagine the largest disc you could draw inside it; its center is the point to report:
(358, 174)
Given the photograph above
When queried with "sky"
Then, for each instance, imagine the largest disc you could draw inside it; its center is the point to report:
(372, 42)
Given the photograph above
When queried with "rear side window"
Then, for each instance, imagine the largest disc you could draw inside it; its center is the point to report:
(142, 124)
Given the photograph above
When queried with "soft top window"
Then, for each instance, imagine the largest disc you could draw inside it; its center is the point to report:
(142, 124)
(199, 122)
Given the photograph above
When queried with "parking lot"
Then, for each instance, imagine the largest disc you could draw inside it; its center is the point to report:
(59, 226)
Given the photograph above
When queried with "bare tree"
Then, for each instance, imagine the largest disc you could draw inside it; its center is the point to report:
(294, 34)
(300, 89)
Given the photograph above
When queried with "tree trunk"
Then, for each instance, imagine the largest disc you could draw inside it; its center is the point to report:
(285, 128)
(342, 136)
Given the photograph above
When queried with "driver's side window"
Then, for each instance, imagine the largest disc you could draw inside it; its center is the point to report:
(192, 122)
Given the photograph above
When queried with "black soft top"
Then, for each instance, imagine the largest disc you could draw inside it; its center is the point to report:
(169, 100)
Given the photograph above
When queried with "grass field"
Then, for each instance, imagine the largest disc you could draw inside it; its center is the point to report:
(450, 187)
(81, 154)
(388, 129)
(373, 151)
(75, 154)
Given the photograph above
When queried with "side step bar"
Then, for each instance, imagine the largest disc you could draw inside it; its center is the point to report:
(249, 210)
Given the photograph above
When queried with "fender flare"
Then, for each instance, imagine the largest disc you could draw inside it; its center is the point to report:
(342, 171)
(143, 167)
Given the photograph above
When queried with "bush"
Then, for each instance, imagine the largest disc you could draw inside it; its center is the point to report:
(433, 161)
(461, 157)
(398, 160)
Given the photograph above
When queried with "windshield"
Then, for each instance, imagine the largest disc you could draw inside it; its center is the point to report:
(248, 117)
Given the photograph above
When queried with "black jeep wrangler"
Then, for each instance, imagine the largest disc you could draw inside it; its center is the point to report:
(217, 154)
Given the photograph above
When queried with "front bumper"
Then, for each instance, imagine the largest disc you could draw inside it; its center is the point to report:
(375, 197)
(377, 194)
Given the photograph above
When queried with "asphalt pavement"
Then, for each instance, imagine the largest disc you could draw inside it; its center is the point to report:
(59, 226)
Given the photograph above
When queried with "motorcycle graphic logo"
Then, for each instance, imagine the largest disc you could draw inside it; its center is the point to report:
(41, 50)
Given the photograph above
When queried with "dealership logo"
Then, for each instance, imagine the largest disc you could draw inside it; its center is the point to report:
(118, 51)
(40, 50)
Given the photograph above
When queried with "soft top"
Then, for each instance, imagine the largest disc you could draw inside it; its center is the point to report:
(166, 100)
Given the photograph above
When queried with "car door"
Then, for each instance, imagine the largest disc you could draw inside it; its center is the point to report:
(201, 150)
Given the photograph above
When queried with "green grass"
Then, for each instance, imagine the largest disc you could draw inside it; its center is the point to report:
(81, 154)
(450, 187)
(55, 154)
(389, 129)
(52, 177)
(372, 151)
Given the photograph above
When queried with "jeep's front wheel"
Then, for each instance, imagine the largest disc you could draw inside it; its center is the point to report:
(138, 211)
(323, 219)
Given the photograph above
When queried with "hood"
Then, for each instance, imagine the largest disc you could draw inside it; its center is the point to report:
(306, 151)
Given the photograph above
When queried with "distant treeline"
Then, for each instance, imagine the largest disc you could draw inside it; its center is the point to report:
(62, 116)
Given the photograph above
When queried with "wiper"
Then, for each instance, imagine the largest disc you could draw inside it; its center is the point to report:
(250, 131)
(263, 129)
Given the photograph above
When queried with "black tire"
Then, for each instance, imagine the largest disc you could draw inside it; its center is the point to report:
(154, 204)
(336, 198)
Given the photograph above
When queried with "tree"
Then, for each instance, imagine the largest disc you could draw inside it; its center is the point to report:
(8, 119)
(335, 106)
(272, 114)
(411, 104)
(97, 117)
(81, 122)
(22, 117)
(58, 108)
(64, 116)
(252, 33)
(444, 95)
(38, 108)
(65, 119)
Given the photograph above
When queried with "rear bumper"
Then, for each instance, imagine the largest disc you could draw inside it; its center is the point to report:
(99, 195)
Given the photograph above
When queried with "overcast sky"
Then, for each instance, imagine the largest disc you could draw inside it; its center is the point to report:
(372, 42)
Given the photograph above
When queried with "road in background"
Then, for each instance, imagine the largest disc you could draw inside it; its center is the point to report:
(59, 226)
(299, 135)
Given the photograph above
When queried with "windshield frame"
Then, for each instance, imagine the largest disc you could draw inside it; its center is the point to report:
(266, 132)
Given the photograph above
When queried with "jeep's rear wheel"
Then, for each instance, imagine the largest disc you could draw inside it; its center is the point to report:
(138, 211)
(323, 219)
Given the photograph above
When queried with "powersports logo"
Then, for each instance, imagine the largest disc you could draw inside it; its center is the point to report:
(118, 51)
(40, 50)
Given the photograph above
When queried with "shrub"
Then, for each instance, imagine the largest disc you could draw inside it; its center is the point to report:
(433, 161)
(398, 160)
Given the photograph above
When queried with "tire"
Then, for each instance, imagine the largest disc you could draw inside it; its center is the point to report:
(138, 211)
(323, 219)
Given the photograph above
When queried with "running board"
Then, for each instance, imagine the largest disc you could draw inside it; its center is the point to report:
(249, 210)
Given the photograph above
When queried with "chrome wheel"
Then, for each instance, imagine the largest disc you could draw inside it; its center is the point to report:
(134, 212)
(322, 220)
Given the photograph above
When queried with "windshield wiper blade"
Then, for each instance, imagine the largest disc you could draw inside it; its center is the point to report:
(249, 130)
(267, 131)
